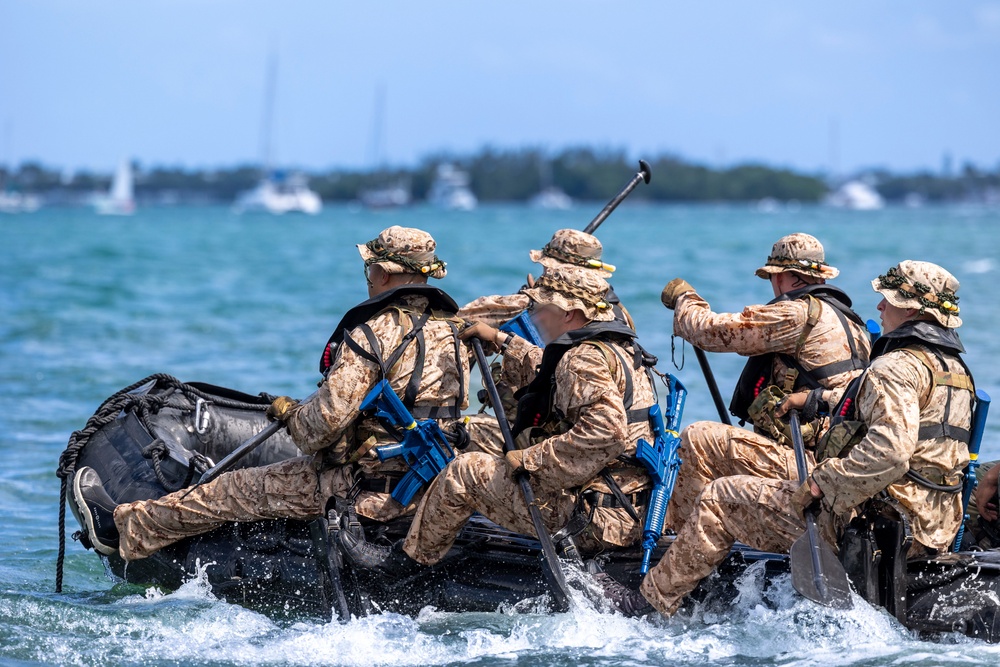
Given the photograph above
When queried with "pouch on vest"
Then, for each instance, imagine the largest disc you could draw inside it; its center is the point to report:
(762, 414)
(840, 439)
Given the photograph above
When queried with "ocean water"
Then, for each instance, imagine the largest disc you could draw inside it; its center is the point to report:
(91, 304)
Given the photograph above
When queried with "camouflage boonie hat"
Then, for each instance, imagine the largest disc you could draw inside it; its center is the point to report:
(404, 250)
(572, 288)
(799, 253)
(924, 286)
(573, 247)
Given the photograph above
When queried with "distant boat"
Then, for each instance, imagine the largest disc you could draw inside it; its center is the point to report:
(391, 196)
(856, 196)
(280, 193)
(19, 202)
(451, 189)
(385, 194)
(551, 198)
(120, 200)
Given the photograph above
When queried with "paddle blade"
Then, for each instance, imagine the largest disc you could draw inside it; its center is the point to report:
(826, 585)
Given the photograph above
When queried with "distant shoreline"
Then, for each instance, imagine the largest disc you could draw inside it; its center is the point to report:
(517, 175)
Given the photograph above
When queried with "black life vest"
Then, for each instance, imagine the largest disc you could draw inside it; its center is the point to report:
(759, 368)
(534, 406)
(437, 300)
(440, 304)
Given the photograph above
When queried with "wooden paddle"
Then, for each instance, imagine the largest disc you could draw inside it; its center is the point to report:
(817, 573)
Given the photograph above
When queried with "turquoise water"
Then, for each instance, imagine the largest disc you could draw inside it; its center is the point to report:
(91, 304)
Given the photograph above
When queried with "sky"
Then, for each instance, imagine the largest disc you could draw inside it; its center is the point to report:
(813, 86)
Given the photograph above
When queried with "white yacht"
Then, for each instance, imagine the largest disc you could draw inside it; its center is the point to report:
(395, 195)
(19, 202)
(120, 200)
(451, 189)
(857, 196)
(551, 198)
(280, 193)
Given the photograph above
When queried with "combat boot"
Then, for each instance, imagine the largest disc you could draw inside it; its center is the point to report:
(97, 510)
(623, 599)
(389, 562)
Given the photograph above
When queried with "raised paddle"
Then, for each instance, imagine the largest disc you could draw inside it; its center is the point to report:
(644, 174)
(553, 571)
(817, 573)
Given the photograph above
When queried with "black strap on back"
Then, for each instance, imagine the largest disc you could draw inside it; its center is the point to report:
(811, 378)
(375, 356)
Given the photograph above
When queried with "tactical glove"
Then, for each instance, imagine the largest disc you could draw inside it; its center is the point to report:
(280, 408)
(674, 289)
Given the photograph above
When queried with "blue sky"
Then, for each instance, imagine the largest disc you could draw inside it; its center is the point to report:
(181, 82)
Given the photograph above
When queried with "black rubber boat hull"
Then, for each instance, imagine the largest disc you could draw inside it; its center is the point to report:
(290, 567)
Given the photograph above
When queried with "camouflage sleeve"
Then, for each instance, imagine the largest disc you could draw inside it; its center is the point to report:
(520, 363)
(591, 400)
(321, 421)
(757, 330)
(494, 310)
(889, 403)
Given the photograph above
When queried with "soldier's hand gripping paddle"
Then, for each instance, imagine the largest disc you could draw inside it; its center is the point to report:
(231, 459)
(817, 573)
(553, 571)
(644, 174)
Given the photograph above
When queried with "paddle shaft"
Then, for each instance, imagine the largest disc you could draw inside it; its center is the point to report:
(819, 577)
(553, 571)
(644, 174)
(713, 388)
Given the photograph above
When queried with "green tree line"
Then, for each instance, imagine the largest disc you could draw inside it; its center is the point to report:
(515, 175)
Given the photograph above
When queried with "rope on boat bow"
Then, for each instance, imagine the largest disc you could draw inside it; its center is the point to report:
(144, 406)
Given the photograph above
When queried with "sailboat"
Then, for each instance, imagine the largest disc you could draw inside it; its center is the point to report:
(120, 200)
(551, 196)
(387, 193)
(278, 192)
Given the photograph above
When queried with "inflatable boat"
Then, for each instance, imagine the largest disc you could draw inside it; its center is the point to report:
(159, 435)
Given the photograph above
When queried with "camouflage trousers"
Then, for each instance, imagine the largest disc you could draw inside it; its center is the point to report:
(710, 451)
(291, 489)
(751, 510)
(478, 482)
(484, 434)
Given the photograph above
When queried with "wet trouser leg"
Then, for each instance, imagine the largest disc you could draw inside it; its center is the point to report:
(710, 450)
(477, 482)
(286, 490)
(744, 509)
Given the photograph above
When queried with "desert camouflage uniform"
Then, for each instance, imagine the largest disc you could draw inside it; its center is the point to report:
(338, 446)
(591, 397)
(711, 450)
(757, 511)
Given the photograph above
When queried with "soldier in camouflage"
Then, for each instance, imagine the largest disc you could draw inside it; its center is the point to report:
(901, 433)
(574, 441)
(567, 248)
(407, 332)
(805, 340)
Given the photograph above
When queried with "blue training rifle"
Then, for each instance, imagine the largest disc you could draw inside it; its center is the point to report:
(424, 446)
(523, 326)
(662, 460)
(975, 442)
